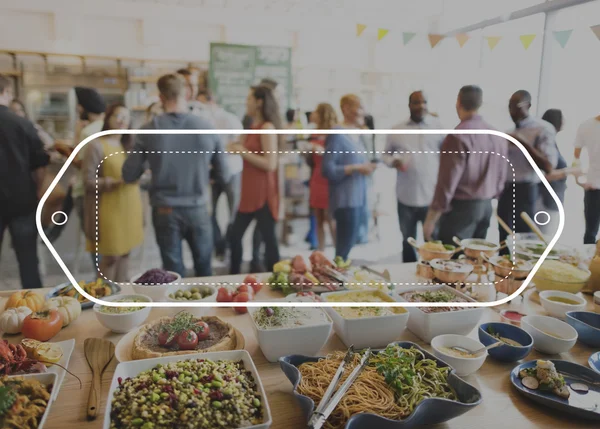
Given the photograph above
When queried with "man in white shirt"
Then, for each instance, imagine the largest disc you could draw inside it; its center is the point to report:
(205, 107)
(417, 172)
(588, 137)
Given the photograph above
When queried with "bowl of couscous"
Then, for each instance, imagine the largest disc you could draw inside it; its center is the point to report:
(558, 275)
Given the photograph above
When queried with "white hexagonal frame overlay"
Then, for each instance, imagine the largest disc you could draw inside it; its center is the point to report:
(300, 304)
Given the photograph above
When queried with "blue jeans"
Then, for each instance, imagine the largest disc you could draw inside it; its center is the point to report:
(24, 235)
(172, 225)
(347, 229)
(409, 217)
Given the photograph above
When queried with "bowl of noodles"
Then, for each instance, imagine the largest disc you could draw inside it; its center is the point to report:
(402, 386)
(27, 400)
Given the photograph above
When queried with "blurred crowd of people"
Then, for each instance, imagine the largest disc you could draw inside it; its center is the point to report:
(446, 183)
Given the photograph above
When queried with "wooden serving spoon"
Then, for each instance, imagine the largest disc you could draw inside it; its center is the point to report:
(98, 353)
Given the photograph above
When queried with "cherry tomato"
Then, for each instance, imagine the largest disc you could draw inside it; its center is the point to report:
(202, 331)
(224, 295)
(187, 340)
(163, 336)
(245, 288)
(42, 325)
(241, 297)
(254, 283)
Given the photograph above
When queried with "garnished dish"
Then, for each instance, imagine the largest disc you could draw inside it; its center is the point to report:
(544, 377)
(182, 334)
(363, 296)
(288, 317)
(517, 343)
(156, 276)
(98, 288)
(393, 384)
(434, 296)
(188, 394)
(433, 250)
(491, 331)
(23, 402)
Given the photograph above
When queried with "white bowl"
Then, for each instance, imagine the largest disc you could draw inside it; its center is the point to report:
(541, 327)
(376, 331)
(426, 326)
(123, 322)
(156, 292)
(558, 309)
(133, 368)
(462, 365)
(195, 310)
(304, 339)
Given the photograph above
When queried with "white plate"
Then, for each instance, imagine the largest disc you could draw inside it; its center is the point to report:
(46, 379)
(125, 344)
(133, 368)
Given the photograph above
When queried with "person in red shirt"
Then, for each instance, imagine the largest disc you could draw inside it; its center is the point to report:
(325, 118)
(260, 189)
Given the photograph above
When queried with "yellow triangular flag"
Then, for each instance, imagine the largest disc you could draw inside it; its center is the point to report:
(381, 33)
(359, 29)
(493, 41)
(527, 39)
(434, 39)
(462, 38)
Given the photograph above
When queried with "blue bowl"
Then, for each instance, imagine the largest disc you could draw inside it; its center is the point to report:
(506, 353)
(428, 412)
(587, 325)
(594, 362)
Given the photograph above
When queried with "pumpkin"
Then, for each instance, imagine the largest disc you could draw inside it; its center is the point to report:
(12, 319)
(26, 298)
(68, 307)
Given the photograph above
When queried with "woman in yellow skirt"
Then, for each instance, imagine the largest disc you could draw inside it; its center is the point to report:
(114, 219)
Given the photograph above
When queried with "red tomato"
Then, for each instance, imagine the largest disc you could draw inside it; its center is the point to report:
(163, 336)
(241, 297)
(202, 331)
(254, 283)
(187, 340)
(42, 325)
(224, 295)
(244, 288)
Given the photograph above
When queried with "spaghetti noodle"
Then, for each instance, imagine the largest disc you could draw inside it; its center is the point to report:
(393, 383)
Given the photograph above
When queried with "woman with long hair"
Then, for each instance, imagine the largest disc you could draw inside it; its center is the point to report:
(325, 118)
(113, 220)
(260, 185)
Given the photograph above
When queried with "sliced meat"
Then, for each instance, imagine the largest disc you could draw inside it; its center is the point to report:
(299, 282)
(317, 258)
(299, 264)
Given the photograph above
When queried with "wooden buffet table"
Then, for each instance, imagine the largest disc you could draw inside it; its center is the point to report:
(502, 406)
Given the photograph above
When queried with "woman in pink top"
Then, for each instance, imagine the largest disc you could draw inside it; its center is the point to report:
(260, 189)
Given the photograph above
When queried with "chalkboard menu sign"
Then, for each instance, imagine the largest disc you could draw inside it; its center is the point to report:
(235, 68)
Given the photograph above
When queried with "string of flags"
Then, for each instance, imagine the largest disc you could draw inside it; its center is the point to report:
(562, 37)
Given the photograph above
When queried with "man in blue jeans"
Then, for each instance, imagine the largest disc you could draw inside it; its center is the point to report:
(23, 163)
(180, 186)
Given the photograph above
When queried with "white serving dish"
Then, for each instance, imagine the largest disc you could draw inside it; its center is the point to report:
(194, 310)
(426, 326)
(462, 365)
(124, 322)
(158, 293)
(46, 379)
(377, 331)
(306, 340)
(133, 368)
(558, 309)
(538, 326)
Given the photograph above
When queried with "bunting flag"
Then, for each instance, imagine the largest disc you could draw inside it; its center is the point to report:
(492, 41)
(562, 37)
(359, 29)
(381, 33)
(596, 30)
(462, 38)
(407, 37)
(434, 39)
(526, 40)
